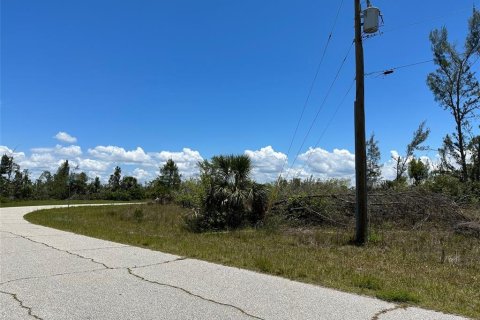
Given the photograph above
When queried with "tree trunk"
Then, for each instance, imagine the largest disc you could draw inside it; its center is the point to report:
(463, 157)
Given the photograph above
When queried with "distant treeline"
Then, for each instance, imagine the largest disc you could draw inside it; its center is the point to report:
(65, 183)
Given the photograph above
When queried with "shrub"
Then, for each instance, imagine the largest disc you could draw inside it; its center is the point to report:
(230, 199)
(462, 192)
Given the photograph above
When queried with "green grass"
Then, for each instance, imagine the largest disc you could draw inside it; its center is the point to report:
(398, 265)
(398, 296)
(24, 203)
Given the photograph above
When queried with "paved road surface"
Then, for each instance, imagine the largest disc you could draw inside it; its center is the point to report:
(51, 274)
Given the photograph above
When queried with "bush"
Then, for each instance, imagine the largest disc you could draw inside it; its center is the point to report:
(462, 192)
(190, 194)
(229, 198)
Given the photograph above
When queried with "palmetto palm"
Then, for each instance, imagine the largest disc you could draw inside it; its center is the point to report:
(231, 196)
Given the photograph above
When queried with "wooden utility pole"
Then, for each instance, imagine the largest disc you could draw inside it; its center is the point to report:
(361, 214)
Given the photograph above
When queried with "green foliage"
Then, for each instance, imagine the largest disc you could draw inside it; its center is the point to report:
(130, 186)
(138, 215)
(165, 187)
(374, 168)
(311, 186)
(190, 194)
(8, 171)
(60, 183)
(367, 282)
(169, 175)
(95, 186)
(231, 199)
(115, 179)
(78, 184)
(456, 89)
(397, 184)
(21, 186)
(416, 144)
(311, 202)
(452, 186)
(15, 184)
(474, 165)
(398, 296)
(418, 171)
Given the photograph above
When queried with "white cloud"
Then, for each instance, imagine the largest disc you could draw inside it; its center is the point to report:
(70, 151)
(324, 164)
(141, 174)
(120, 155)
(186, 160)
(65, 137)
(17, 156)
(267, 163)
(93, 165)
(297, 172)
(389, 167)
(38, 162)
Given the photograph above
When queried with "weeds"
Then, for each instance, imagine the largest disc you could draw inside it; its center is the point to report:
(398, 296)
(367, 282)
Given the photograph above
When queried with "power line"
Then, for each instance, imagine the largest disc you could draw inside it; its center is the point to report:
(412, 24)
(328, 125)
(390, 70)
(321, 105)
(312, 85)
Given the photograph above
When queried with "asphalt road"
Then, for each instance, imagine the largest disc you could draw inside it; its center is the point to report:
(51, 274)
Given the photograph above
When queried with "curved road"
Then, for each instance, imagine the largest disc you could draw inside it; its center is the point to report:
(51, 274)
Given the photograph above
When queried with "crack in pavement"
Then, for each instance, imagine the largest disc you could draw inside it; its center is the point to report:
(29, 309)
(93, 270)
(377, 315)
(192, 294)
(52, 275)
(112, 247)
(129, 270)
(66, 251)
(158, 263)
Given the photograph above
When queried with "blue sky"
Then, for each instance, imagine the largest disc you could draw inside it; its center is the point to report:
(215, 77)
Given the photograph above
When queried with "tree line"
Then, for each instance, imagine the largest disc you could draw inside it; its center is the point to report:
(66, 183)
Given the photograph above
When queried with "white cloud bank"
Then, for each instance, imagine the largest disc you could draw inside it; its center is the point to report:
(267, 162)
(324, 164)
(186, 160)
(69, 151)
(118, 154)
(65, 137)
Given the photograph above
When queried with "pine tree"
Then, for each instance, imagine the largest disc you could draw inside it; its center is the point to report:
(374, 168)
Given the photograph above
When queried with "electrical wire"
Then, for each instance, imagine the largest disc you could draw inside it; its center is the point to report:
(274, 192)
(390, 70)
(312, 85)
(327, 126)
(412, 24)
(321, 107)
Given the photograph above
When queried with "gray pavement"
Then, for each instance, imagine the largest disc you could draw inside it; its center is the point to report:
(51, 274)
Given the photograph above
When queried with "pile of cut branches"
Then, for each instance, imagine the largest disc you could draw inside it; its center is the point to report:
(401, 209)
